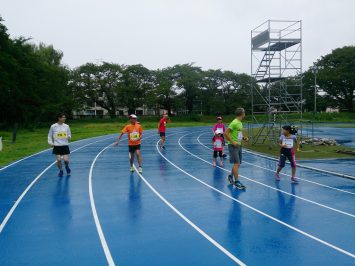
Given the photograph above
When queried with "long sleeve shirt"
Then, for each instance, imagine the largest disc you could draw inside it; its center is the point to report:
(59, 135)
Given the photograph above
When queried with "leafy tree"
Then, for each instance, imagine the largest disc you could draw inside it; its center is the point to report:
(189, 81)
(164, 92)
(100, 84)
(138, 81)
(336, 77)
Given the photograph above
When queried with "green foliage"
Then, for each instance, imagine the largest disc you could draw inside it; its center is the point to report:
(336, 78)
(33, 84)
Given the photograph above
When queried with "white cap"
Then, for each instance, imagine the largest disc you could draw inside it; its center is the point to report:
(133, 116)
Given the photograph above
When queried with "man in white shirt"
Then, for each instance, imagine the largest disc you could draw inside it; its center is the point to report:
(58, 137)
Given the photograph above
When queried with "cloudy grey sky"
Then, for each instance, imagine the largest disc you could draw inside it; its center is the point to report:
(159, 33)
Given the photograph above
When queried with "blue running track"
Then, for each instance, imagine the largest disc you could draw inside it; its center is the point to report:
(180, 211)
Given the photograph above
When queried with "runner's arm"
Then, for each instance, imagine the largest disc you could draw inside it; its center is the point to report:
(297, 144)
(69, 133)
(50, 137)
(118, 139)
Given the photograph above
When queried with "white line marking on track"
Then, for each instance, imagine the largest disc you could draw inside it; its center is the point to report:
(268, 169)
(104, 245)
(17, 202)
(265, 185)
(260, 212)
(182, 216)
(94, 212)
(37, 153)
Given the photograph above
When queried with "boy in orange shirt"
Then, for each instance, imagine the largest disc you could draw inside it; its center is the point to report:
(135, 132)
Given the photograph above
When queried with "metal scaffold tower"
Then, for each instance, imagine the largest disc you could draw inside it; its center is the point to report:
(276, 69)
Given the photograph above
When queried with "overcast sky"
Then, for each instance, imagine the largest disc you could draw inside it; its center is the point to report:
(159, 33)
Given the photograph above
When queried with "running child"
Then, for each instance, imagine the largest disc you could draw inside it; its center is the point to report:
(58, 137)
(217, 142)
(162, 129)
(221, 126)
(135, 132)
(287, 141)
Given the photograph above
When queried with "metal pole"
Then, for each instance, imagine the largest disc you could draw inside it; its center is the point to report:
(315, 72)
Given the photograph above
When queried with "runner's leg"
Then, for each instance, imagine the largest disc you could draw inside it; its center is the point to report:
(59, 161)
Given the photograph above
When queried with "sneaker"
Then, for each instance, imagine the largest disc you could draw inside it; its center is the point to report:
(277, 177)
(221, 163)
(67, 169)
(239, 185)
(132, 169)
(163, 147)
(140, 170)
(230, 179)
(224, 155)
(60, 174)
(294, 180)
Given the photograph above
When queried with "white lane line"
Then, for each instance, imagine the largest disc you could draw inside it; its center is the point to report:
(268, 169)
(94, 212)
(258, 211)
(182, 216)
(32, 155)
(265, 185)
(305, 166)
(17, 202)
(100, 232)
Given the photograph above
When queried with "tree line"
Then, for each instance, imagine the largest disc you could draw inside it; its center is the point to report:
(35, 84)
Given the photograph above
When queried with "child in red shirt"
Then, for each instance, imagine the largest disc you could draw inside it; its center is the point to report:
(217, 142)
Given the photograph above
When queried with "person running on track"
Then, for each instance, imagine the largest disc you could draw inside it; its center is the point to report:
(135, 133)
(58, 137)
(217, 142)
(162, 129)
(234, 135)
(220, 125)
(287, 141)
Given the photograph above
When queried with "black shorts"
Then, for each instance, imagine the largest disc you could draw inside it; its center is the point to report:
(287, 154)
(219, 153)
(162, 134)
(133, 148)
(61, 150)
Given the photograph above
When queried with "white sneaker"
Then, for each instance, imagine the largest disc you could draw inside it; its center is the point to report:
(140, 170)
(132, 169)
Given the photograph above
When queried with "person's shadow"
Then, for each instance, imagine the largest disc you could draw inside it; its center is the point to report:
(134, 198)
(286, 208)
(62, 202)
(235, 218)
(219, 181)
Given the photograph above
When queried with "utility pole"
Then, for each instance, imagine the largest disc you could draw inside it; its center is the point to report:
(315, 72)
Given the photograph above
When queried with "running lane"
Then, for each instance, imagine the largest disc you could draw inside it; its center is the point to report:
(15, 178)
(139, 228)
(263, 238)
(53, 225)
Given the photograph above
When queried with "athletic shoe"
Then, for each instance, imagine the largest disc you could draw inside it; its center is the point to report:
(132, 169)
(140, 170)
(221, 163)
(163, 147)
(230, 179)
(277, 177)
(239, 185)
(60, 174)
(294, 180)
(67, 169)
(224, 155)
(214, 164)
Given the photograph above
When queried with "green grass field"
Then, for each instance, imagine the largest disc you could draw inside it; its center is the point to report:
(33, 140)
